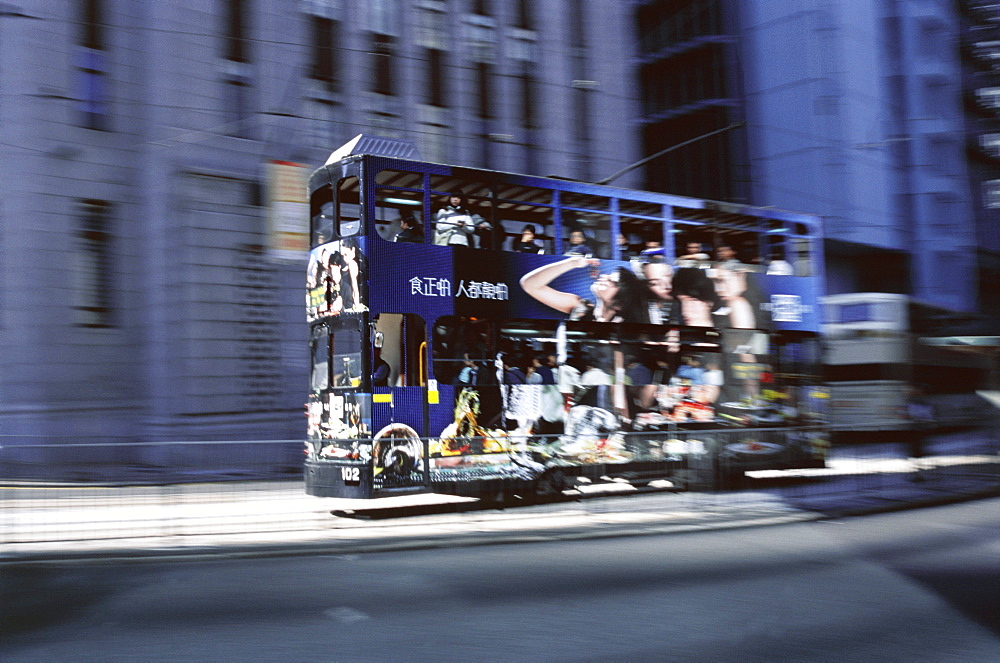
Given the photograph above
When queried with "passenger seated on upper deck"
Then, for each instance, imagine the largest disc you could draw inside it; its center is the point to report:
(455, 224)
(693, 252)
(725, 255)
(628, 246)
(527, 242)
(411, 231)
(578, 245)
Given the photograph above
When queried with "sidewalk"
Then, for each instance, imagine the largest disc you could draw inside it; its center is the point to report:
(200, 520)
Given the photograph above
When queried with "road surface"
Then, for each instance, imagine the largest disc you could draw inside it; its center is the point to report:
(910, 586)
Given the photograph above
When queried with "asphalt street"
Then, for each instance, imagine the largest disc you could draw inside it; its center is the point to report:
(917, 585)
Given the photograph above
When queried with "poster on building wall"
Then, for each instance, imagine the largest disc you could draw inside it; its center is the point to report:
(288, 211)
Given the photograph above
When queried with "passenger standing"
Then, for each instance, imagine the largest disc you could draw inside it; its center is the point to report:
(455, 225)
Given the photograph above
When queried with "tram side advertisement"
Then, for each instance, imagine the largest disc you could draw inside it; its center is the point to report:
(528, 379)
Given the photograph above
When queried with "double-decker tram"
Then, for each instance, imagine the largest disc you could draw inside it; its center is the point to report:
(484, 333)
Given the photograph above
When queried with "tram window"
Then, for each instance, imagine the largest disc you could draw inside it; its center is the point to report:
(777, 257)
(754, 392)
(591, 351)
(528, 227)
(801, 258)
(585, 201)
(345, 356)
(739, 245)
(640, 208)
(463, 213)
(391, 208)
(399, 196)
(403, 348)
(321, 216)
(460, 342)
(400, 179)
(638, 235)
(320, 346)
(586, 233)
(525, 347)
(692, 244)
(348, 207)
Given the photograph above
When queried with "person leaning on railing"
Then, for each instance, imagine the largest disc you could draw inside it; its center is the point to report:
(455, 224)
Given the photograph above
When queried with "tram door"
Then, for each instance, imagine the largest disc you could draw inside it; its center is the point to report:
(400, 340)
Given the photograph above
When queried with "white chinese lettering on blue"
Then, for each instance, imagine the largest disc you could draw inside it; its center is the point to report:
(435, 287)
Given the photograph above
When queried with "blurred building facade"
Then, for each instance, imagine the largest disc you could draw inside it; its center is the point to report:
(851, 109)
(139, 301)
(980, 49)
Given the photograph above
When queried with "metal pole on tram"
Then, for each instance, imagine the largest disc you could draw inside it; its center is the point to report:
(642, 162)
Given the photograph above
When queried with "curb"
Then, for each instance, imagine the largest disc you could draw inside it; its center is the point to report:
(396, 544)
(602, 525)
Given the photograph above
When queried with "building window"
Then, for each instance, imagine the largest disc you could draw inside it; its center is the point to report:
(236, 46)
(94, 278)
(382, 63)
(525, 15)
(436, 93)
(528, 90)
(236, 80)
(92, 67)
(325, 34)
(484, 76)
(92, 21)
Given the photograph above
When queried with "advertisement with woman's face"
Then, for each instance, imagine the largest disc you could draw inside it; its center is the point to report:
(585, 288)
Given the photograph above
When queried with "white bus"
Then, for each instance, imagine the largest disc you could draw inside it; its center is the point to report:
(876, 347)
(868, 360)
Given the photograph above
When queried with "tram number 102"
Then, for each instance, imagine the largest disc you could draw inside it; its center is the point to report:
(350, 474)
